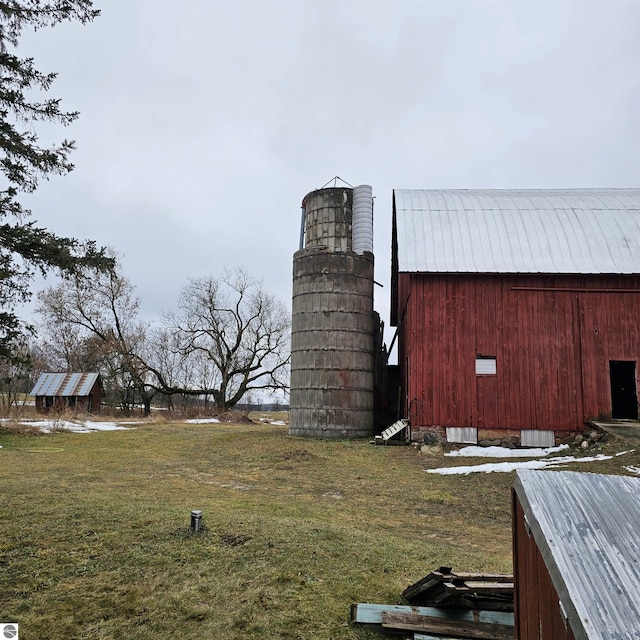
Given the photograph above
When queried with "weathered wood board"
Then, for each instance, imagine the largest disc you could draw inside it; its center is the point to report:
(367, 613)
(472, 630)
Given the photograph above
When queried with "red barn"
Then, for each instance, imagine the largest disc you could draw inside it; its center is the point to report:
(518, 312)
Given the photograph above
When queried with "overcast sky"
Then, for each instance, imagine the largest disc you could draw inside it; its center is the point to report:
(205, 122)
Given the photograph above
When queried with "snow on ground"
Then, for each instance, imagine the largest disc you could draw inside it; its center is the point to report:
(102, 426)
(505, 467)
(86, 426)
(202, 420)
(503, 452)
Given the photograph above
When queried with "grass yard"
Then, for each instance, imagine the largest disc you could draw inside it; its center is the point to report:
(95, 539)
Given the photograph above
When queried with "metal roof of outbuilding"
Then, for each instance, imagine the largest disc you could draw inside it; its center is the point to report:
(64, 384)
(569, 231)
(586, 528)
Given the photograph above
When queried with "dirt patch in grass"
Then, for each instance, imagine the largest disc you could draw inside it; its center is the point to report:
(233, 417)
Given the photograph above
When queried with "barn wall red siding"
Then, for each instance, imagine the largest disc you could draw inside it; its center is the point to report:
(552, 337)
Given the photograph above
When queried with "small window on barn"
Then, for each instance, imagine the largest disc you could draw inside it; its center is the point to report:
(486, 366)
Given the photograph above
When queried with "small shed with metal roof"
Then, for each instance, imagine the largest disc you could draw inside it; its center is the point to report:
(518, 311)
(576, 556)
(76, 391)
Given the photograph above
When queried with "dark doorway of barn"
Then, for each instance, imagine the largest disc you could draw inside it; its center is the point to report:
(624, 397)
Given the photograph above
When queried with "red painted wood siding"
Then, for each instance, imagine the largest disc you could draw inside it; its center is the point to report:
(552, 336)
(537, 609)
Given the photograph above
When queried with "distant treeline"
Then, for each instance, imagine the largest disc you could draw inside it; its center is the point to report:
(274, 406)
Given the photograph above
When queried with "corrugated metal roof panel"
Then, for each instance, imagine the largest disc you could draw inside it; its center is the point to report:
(85, 384)
(69, 384)
(583, 231)
(48, 384)
(586, 527)
(64, 384)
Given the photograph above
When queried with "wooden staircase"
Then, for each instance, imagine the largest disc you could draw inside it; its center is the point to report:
(393, 430)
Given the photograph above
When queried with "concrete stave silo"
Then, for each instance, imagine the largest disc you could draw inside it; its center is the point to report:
(333, 323)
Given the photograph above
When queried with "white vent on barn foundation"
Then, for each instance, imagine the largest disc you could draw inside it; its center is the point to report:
(537, 438)
(462, 435)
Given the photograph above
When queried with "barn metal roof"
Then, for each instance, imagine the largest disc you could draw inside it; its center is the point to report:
(586, 527)
(64, 384)
(570, 231)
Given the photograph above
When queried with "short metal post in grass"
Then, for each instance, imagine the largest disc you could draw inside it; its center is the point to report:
(196, 520)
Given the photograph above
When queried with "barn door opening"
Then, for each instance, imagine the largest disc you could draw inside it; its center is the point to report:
(624, 396)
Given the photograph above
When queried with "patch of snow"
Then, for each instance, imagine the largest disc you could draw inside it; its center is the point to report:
(505, 467)
(503, 452)
(632, 469)
(103, 426)
(202, 421)
(279, 423)
(47, 426)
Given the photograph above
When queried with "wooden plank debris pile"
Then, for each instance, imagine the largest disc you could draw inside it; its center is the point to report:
(446, 606)
(443, 588)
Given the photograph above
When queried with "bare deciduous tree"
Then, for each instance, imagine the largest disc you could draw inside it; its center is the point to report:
(92, 321)
(229, 337)
(15, 380)
(239, 334)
